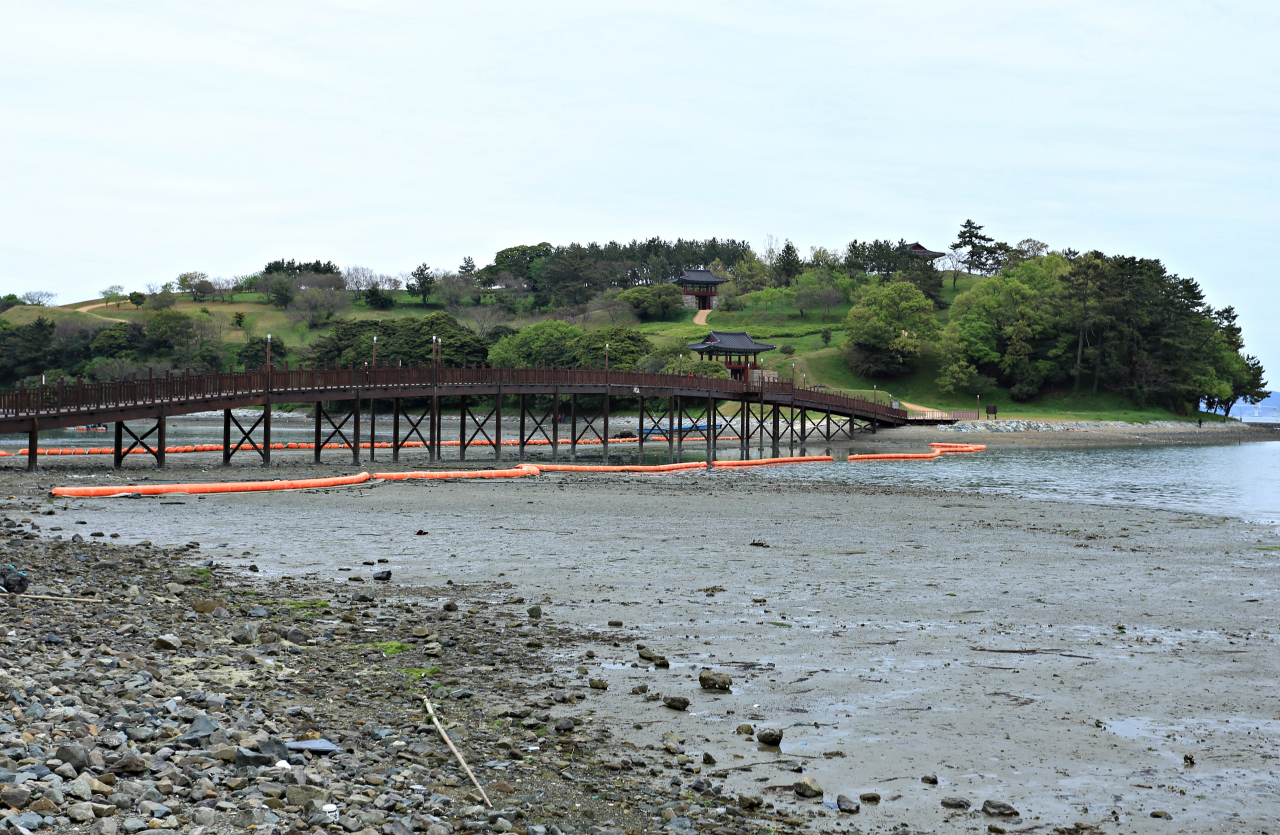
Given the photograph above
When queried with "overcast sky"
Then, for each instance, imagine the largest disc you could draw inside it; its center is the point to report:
(140, 140)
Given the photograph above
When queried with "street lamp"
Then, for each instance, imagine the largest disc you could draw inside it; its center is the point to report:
(606, 356)
(375, 352)
(268, 352)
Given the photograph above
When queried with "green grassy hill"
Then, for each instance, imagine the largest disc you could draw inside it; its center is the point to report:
(813, 362)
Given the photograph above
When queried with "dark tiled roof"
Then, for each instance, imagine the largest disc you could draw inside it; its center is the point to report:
(924, 252)
(730, 342)
(697, 277)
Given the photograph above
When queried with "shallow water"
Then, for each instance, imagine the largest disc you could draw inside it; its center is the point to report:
(1238, 480)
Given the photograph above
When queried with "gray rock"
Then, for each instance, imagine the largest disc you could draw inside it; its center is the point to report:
(955, 802)
(535, 612)
(258, 611)
(869, 797)
(274, 748)
(245, 633)
(77, 756)
(807, 787)
(203, 817)
(564, 725)
(104, 826)
(769, 736)
(78, 788)
(929, 779)
(296, 636)
(168, 642)
(744, 728)
(382, 576)
(246, 818)
(364, 596)
(714, 681)
(26, 820)
(847, 805)
(999, 809)
(675, 702)
(246, 757)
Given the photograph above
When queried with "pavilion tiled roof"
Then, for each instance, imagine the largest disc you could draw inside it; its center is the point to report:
(730, 342)
(697, 277)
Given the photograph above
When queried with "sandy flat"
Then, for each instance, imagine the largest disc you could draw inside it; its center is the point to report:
(1064, 658)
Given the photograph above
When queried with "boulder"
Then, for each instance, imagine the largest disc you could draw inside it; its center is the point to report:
(714, 681)
(769, 736)
(807, 787)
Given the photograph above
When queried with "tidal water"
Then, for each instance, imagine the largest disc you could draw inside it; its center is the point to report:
(1237, 480)
(1240, 480)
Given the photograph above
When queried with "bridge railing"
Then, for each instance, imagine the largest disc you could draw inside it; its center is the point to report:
(186, 387)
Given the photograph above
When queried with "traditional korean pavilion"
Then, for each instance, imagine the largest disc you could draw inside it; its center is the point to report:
(739, 351)
(920, 251)
(700, 285)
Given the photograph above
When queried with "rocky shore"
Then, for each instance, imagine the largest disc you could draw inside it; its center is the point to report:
(169, 695)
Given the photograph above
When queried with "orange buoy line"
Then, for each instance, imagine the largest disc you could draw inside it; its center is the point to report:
(764, 462)
(623, 468)
(938, 451)
(516, 472)
(212, 487)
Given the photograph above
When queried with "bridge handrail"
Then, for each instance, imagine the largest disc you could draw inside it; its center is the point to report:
(61, 398)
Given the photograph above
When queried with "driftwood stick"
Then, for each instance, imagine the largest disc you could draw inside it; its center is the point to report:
(449, 742)
(64, 599)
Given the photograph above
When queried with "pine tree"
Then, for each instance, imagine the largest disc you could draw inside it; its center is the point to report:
(788, 265)
(974, 243)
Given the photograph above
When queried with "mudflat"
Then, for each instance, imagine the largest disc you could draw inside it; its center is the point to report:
(1080, 663)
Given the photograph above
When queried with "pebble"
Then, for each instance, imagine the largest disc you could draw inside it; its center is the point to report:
(847, 804)
(675, 702)
(769, 736)
(955, 803)
(998, 808)
(869, 797)
(714, 681)
(807, 787)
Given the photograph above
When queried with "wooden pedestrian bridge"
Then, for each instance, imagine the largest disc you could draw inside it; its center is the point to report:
(547, 401)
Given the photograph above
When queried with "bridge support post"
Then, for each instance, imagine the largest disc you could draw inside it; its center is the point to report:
(555, 425)
(433, 447)
(605, 440)
(791, 428)
(640, 443)
(744, 433)
(266, 434)
(355, 432)
(573, 428)
(711, 430)
(678, 431)
(522, 438)
(497, 423)
(776, 432)
(462, 427)
(395, 429)
(162, 432)
(226, 437)
(671, 430)
(318, 409)
(33, 440)
(804, 431)
(373, 427)
(118, 459)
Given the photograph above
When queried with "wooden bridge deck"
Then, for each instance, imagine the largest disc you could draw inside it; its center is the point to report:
(64, 405)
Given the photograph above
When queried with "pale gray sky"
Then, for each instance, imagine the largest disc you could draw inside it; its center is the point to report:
(142, 139)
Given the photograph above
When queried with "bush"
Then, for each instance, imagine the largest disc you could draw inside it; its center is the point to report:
(281, 291)
(379, 299)
(788, 349)
(655, 303)
(697, 368)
